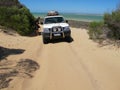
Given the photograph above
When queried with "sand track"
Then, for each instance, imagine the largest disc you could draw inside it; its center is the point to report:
(79, 65)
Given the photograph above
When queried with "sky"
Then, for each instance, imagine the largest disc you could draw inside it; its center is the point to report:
(72, 6)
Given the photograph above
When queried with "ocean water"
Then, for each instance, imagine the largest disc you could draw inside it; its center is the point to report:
(74, 16)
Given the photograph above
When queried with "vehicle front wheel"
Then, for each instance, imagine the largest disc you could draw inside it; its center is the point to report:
(68, 39)
(45, 41)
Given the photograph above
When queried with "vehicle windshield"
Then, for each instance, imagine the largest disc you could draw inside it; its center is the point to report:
(53, 20)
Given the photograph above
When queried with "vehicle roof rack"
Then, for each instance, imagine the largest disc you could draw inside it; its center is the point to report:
(52, 13)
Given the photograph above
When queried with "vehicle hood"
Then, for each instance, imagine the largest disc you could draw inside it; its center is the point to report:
(55, 25)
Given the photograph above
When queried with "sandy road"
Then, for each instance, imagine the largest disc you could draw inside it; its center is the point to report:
(79, 65)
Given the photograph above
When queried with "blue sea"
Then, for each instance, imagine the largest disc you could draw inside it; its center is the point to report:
(74, 16)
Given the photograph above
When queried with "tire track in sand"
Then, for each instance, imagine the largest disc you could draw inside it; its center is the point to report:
(93, 81)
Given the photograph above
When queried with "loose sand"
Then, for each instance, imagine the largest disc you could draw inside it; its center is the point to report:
(79, 65)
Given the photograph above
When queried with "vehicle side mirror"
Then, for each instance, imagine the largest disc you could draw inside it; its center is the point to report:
(41, 23)
(66, 21)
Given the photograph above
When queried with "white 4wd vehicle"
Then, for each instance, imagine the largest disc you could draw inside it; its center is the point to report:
(55, 27)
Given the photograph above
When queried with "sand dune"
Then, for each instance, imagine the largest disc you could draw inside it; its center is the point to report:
(28, 64)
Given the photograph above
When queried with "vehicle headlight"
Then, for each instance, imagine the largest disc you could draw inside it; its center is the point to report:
(54, 29)
(46, 29)
(59, 29)
(66, 28)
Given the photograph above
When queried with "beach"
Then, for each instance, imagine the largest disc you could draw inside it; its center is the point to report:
(28, 64)
(75, 16)
(76, 20)
(76, 23)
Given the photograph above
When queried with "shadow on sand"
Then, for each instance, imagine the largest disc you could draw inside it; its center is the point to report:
(68, 40)
(5, 52)
(25, 68)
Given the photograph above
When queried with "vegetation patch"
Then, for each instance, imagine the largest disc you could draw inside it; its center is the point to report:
(113, 23)
(96, 30)
(16, 16)
(107, 30)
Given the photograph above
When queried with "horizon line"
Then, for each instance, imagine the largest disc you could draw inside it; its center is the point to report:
(81, 13)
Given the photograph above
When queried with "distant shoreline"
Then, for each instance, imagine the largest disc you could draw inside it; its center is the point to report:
(79, 24)
(76, 20)
(76, 17)
(76, 24)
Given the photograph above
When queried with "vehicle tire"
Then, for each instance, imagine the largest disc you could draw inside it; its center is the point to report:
(68, 38)
(45, 41)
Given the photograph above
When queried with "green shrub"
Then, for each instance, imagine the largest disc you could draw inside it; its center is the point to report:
(95, 30)
(17, 18)
(113, 22)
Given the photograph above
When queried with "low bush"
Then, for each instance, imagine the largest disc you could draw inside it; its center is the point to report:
(95, 30)
(17, 18)
(110, 28)
(113, 22)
